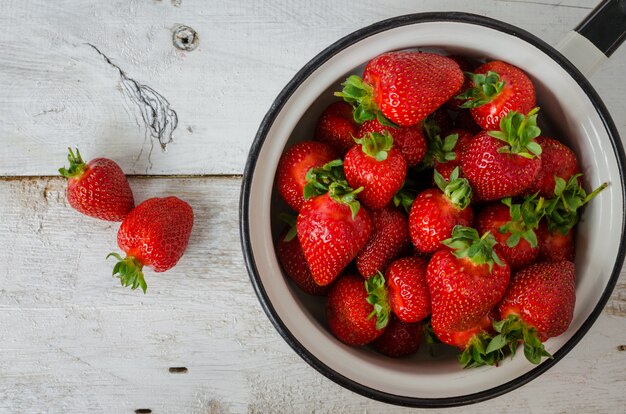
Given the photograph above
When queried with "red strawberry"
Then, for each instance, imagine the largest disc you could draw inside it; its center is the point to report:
(294, 165)
(98, 189)
(399, 339)
(405, 86)
(410, 140)
(377, 167)
(332, 229)
(498, 88)
(504, 163)
(538, 304)
(556, 159)
(389, 238)
(454, 103)
(291, 257)
(336, 127)
(154, 234)
(351, 312)
(513, 226)
(555, 247)
(446, 154)
(465, 284)
(408, 290)
(435, 212)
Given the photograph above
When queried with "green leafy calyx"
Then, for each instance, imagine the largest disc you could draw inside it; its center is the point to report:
(77, 165)
(465, 242)
(289, 220)
(477, 352)
(519, 131)
(376, 145)
(344, 194)
(510, 332)
(525, 219)
(440, 150)
(128, 269)
(319, 179)
(486, 88)
(457, 189)
(361, 96)
(377, 297)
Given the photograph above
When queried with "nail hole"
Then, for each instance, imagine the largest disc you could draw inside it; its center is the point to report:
(178, 370)
(185, 38)
(621, 348)
(143, 411)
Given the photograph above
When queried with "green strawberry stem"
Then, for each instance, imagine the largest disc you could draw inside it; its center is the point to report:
(343, 194)
(525, 219)
(465, 242)
(129, 271)
(77, 165)
(486, 88)
(319, 178)
(477, 352)
(457, 190)
(376, 145)
(440, 150)
(377, 297)
(290, 220)
(562, 211)
(361, 96)
(511, 331)
(518, 131)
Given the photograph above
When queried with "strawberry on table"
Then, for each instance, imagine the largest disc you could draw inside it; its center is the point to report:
(389, 238)
(98, 188)
(503, 163)
(408, 290)
(357, 311)
(332, 229)
(154, 234)
(336, 127)
(399, 339)
(295, 164)
(497, 88)
(409, 140)
(435, 212)
(403, 87)
(556, 160)
(376, 166)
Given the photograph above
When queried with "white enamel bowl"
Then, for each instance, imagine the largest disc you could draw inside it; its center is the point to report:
(577, 116)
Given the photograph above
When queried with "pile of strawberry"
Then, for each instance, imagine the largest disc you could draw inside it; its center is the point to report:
(430, 205)
(154, 234)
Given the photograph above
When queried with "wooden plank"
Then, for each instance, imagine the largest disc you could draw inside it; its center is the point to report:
(58, 91)
(72, 340)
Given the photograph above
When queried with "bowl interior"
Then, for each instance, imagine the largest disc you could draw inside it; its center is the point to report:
(567, 113)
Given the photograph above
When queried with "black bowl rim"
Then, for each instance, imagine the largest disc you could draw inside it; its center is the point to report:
(268, 121)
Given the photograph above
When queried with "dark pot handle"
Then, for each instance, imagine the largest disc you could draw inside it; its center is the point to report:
(596, 37)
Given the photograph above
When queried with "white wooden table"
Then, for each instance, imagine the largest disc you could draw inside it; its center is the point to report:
(77, 73)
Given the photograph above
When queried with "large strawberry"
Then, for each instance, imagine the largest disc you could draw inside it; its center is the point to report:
(496, 89)
(389, 238)
(98, 189)
(332, 228)
(154, 234)
(408, 290)
(291, 257)
(436, 211)
(409, 140)
(404, 87)
(556, 160)
(399, 338)
(538, 304)
(376, 166)
(513, 226)
(294, 165)
(503, 163)
(336, 127)
(356, 310)
(465, 280)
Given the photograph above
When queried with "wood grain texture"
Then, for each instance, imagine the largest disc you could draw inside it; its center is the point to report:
(59, 92)
(74, 341)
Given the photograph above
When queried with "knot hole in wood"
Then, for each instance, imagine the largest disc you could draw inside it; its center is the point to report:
(185, 38)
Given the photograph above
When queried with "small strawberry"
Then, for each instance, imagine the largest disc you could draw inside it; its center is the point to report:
(377, 167)
(465, 281)
(435, 212)
(332, 229)
(410, 140)
(538, 304)
(389, 238)
(408, 290)
(497, 88)
(503, 163)
(403, 87)
(294, 165)
(556, 160)
(555, 246)
(356, 310)
(154, 234)
(98, 188)
(291, 258)
(399, 339)
(513, 226)
(336, 127)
